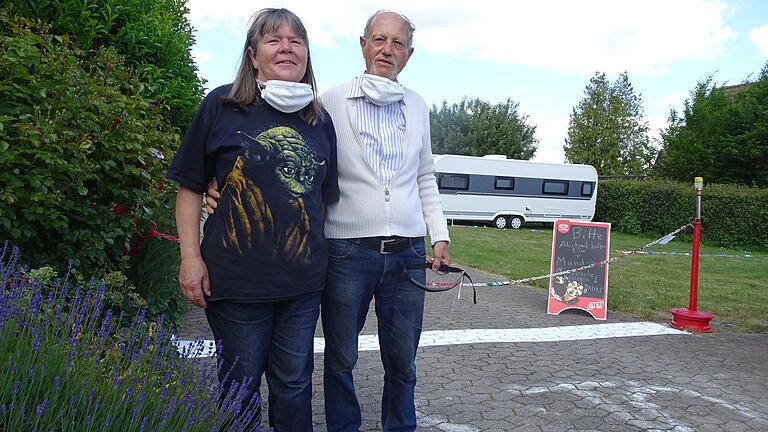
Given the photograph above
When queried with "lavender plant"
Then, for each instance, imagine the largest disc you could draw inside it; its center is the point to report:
(71, 365)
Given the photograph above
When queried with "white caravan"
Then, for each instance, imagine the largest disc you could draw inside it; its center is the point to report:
(509, 192)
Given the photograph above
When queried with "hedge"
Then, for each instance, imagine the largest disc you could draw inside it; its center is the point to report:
(153, 37)
(82, 150)
(732, 215)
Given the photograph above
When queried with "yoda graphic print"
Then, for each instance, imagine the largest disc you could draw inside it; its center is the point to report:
(270, 178)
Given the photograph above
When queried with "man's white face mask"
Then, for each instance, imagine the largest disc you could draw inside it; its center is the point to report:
(381, 91)
(286, 96)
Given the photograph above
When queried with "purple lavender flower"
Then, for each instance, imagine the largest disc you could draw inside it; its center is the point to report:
(170, 408)
(140, 317)
(106, 325)
(16, 387)
(38, 342)
(41, 408)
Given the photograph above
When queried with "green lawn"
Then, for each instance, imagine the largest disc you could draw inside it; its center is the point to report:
(647, 286)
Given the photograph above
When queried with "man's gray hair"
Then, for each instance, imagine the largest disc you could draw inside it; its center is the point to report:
(409, 27)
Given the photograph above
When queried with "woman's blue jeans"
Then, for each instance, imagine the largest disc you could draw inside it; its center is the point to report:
(275, 338)
(355, 275)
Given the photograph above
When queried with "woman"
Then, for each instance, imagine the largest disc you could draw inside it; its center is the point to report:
(260, 268)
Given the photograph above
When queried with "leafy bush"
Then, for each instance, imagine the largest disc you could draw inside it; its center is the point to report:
(68, 365)
(722, 134)
(731, 214)
(119, 293)
(153, 36)
(83, 150)
(150, 282)
(153, 271)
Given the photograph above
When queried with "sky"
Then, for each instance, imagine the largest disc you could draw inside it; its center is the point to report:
(541, 54)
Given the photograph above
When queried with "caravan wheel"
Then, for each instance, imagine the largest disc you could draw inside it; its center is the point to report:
(500, 222)
(515, 222)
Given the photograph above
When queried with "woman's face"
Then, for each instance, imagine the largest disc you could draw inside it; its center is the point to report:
(281, 55)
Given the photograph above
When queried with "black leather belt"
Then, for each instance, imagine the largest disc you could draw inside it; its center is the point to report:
(388, 245)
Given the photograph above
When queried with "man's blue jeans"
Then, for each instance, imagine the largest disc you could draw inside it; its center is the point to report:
(276, 338)
(355, 275)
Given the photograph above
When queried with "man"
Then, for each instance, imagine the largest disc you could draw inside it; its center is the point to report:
(375, 231)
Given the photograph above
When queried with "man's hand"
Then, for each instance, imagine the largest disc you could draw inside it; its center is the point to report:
(193, 280)
(212, 197)
(440, 251)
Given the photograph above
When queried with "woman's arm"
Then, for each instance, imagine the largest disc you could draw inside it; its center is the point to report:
(193, 274)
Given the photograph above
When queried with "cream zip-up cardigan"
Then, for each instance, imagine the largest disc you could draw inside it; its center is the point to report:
(410, 207)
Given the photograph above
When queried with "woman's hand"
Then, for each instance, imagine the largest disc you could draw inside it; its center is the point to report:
(193, 280)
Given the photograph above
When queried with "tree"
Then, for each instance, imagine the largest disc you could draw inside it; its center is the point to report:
(154, 37)
(476, 128)
(722, 134)
(607, 129)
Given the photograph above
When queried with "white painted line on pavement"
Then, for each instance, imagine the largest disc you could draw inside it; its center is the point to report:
(206, 348)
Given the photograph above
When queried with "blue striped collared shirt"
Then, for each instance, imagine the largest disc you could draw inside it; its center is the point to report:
(382, 131)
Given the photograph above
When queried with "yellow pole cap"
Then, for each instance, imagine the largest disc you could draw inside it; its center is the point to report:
(698, 184)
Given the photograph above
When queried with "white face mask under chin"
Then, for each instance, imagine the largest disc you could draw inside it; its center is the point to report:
(381, 91)
(286, 96)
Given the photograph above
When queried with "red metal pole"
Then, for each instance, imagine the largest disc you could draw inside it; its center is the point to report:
(692, 319)
(694, 300)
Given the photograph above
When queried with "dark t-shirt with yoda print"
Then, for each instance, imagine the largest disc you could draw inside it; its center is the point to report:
(275, 173)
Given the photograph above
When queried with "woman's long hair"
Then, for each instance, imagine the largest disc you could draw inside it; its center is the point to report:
(245, 90)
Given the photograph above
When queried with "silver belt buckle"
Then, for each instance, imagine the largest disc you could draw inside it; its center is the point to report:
(382, 245)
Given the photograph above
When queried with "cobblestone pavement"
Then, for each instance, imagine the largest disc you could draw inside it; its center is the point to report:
(714, 382)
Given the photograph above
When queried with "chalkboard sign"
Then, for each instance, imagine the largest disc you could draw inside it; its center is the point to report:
(574, 245)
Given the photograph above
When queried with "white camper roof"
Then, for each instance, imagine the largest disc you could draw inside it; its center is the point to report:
(499, 166)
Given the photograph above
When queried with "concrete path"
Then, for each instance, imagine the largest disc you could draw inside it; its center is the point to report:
(521, 369)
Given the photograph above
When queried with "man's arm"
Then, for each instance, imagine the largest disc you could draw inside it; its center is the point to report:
(431, 207)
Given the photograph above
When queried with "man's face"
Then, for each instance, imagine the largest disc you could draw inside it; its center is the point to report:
(386, 50)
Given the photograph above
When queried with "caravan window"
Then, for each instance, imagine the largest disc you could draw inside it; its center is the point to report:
(454, 181)
(507, 183)
(555, 187)
(586, 189)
